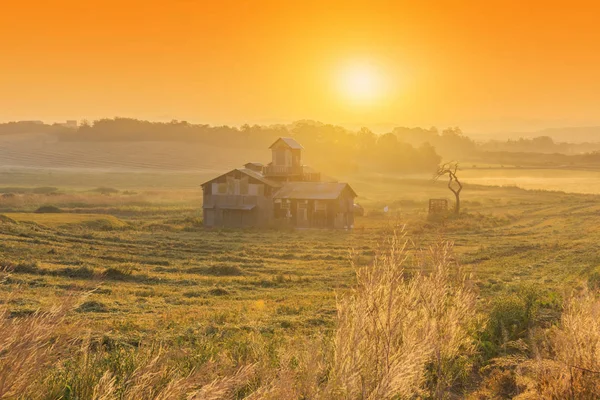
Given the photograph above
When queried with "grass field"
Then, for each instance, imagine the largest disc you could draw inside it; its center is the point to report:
(566, 180)
(66, 219)
(141, 269)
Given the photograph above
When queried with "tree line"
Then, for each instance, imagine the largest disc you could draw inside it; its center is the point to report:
(327, 146)
(407, 150)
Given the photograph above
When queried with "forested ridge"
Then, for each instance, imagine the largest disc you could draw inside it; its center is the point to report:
(406, 150)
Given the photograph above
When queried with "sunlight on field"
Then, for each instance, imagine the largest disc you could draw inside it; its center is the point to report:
(538, 179)
(141, 268)
(56, 220)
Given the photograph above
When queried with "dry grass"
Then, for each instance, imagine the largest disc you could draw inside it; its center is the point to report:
(568, 363)
(407, 329)
(86, 199)
(399, 337)
(57, 220)
(155, 380)
(28, 347)
(396, 337)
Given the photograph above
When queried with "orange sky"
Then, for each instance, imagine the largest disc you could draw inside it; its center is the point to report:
(485, 65)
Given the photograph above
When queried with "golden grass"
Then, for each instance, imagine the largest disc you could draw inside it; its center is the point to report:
(391, 329)
(407, 329)
(28, 347)
(62, 219)
(177, 311)
(567, 365)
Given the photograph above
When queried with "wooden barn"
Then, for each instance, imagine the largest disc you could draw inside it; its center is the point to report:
(283, 192)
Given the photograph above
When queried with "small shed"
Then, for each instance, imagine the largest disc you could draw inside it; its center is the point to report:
(438, 206)
(316, 204)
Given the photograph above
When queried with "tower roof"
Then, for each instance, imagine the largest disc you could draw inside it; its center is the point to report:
(289, 142)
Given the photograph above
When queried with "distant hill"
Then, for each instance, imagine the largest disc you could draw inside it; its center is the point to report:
(573, 134)
(579, 134)
(42, 151)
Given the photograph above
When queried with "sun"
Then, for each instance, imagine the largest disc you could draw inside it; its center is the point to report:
(361, 82)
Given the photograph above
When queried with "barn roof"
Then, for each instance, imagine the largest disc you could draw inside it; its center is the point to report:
(291, 143)
(253, 174)
(312, 190)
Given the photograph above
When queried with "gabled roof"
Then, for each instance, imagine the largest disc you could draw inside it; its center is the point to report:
(312, 190)
(291, 143)
(253, 174)
(260, 177)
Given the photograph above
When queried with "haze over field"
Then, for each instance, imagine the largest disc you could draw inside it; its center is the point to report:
(299, 200)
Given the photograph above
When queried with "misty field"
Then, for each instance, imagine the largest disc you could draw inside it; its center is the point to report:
(148, 297)
(566, 180)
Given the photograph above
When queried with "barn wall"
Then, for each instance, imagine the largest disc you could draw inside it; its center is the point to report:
(344, 207)
(333, 214)
(225, 196)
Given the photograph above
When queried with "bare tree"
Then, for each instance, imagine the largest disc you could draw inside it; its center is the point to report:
(454, 184)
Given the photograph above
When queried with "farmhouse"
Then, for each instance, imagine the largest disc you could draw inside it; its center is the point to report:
(283, 192)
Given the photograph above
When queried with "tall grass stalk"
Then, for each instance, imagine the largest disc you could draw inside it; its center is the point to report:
(400, 337)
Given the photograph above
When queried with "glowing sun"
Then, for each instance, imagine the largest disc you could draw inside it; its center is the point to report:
(361, 82)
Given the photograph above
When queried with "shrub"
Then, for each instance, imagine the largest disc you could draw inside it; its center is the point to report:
(218, 292)
(510, 319)
(106, 190)
(193, 293)
(80, 272)
(568, 363)
(44, 190)
(92, 306)
(119, 272)
(593, 280)
(218, 270)
(48, 210)
(104, 224)
(31, 267)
